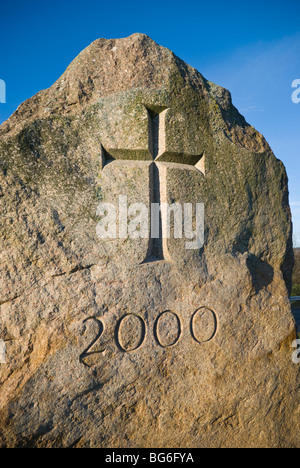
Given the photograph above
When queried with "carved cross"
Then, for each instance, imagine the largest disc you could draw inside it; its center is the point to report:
(157, 250)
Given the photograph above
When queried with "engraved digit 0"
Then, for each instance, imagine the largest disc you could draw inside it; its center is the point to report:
(208, 315)
(121, 343)
(157, 333)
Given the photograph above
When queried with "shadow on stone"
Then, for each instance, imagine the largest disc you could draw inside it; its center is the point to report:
(262, 273)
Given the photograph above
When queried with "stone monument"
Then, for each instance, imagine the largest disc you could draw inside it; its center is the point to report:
(146, 262)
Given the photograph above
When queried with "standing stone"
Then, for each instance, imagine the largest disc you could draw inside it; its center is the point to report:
(131, 342)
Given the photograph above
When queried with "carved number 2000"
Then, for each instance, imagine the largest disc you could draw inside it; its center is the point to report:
(203, 328)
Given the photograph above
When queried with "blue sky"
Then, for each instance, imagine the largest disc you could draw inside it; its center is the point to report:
(251, 48)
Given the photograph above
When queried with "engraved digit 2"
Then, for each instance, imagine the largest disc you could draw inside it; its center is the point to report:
(86, 352)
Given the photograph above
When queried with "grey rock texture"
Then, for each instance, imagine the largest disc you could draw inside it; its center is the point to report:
(103, 351)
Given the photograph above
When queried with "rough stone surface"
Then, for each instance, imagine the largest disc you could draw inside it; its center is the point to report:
(214, 370)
